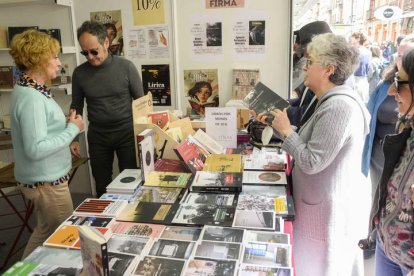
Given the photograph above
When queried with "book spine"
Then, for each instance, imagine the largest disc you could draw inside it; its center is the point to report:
(105, 259)
(141, 161)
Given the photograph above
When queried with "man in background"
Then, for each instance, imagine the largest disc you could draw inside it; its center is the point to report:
(108, 83)
(361, 73)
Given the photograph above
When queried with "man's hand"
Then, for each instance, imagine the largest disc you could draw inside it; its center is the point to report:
(75, 149)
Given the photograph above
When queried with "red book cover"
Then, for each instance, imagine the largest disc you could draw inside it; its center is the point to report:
(192, 154)
(160, 119)
(170, 165)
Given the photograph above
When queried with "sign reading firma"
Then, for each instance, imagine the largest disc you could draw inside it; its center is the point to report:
(214, 4)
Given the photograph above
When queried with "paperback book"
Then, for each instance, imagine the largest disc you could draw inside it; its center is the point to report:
(89, 220)
(126, 182)
(168, 179)
(100, 207)
(172, 249)
(36, 269)
(148, 212)
(267, 254)
(208, 142)
(183, 233)
(256, 203)
(150, 265)
(137, 229)
(94, 251)
(146, 150)
(216, 182)
(222, 234)
(223, 163)
(203, 214)
(160, 194)
(220, 199)
(264, 178)
(218, 250)
(271, 161)
(266, 237)
(170, 165)
(262, 99)
(130, 245)
(264, 220)
(56, 257)
(192, 153)
(204, 266)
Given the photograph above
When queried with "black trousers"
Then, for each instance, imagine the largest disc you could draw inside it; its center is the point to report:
(102, 147)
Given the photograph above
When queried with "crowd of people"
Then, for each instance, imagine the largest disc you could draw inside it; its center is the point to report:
(352, 99)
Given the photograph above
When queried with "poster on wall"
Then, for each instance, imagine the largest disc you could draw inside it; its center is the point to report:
(136, 44)
(113, 24)
(249, 37)
(201, 88)
(244, 80)
(148, 12)
(156, 79)
(158, 42)
(207, 38)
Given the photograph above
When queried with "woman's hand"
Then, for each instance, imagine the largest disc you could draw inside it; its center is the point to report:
(281, 122)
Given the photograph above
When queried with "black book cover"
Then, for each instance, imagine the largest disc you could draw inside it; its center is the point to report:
(230, 182)
(262, 99)
(204, 214)
(148, 212)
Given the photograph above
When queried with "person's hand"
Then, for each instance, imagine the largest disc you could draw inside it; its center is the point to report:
(77, 120)
(281, 122)
(75, 149)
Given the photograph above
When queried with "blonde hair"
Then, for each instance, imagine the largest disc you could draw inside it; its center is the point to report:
(31, 50)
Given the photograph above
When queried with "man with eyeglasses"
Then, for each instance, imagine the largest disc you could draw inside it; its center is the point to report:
(108, 83)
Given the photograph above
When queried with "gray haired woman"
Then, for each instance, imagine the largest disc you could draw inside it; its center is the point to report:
(331, 202)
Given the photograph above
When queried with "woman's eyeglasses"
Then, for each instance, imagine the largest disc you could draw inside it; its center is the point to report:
(93, 52)
(399, 82)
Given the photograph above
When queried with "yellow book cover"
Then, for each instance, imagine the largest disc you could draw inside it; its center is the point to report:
(223, 163)
(167, 179)
(65, 236)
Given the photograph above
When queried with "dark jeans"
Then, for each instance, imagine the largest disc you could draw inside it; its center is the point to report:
(101, 151)
(384, 266)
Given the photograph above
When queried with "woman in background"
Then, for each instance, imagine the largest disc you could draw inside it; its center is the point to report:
(330, 199)
(41, 134)
(392, 208)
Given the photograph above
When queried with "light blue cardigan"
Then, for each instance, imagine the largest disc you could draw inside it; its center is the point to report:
(378, 96)
(40, 137)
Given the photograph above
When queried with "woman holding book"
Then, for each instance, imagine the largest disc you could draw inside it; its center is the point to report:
(392, 208)
(41, 134)
(328, 188)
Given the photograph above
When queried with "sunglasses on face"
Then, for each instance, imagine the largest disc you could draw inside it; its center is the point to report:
(399, 83)
(93, 52)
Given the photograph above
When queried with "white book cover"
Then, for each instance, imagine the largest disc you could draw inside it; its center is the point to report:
(265, 161)
(126, 182)
(209, 143)
(146, 150)
(264, 178)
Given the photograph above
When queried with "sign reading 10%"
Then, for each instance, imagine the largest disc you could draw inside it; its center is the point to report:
(148, 4)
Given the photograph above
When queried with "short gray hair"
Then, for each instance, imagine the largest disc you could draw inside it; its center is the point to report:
(335, 50)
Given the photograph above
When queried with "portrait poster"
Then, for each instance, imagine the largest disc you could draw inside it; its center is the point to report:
(202, 89)
(156, 79)
(113, 23)
(207, 38)
(249, 37)
(148, 12)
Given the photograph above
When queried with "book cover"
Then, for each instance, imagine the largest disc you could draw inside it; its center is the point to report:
(160, 118)
(170, 165)
(156, 79)
(264, 178)
(185, 125)
(127, 244)
(89, 220)
(147, 212)
(168, 179)
(172, 249)
(67, 236)
(205, 266)
(192, 153)
(222, 234)
(264, 190)
(218, 250)
(256, 203)
(148, 132)
(266, 237)
(94, 251)
(113, 196)
(126, 182)
(121, 264)
(254, 219)
(270, 161)
(259, 270)
(146, 151)
(30, 268)
(210, 198)
(56, 257)
(160, 194)
(159, 266)
(137, 229)
(204, 214)
(202, 89)
(244, 80)
(262, 99)
(268, 254)
(100, 207)
(223, 163)
(209, 143)
(183, 233)
(216, 182)
(6, 77)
